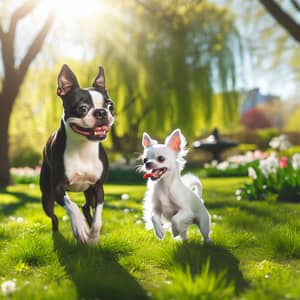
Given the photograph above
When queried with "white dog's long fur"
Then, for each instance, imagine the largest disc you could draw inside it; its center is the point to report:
(175, 198)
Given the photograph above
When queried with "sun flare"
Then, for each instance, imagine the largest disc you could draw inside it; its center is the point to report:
(79, 9)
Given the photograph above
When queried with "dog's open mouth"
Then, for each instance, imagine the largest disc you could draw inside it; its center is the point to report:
(95, 133)
(155, 173)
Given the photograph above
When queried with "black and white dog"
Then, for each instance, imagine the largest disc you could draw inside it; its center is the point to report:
(74, 159)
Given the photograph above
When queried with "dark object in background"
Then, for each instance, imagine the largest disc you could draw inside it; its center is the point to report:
(214, 144)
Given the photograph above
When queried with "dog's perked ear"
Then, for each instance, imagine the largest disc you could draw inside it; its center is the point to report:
(174, 140)
(99, 82)
(147, 141)
(66, 81)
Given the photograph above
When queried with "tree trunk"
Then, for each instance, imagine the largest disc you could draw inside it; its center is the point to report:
(5, 178)
(5, 112)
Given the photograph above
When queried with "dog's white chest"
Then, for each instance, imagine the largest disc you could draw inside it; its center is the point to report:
(169, 205)
(82, 166)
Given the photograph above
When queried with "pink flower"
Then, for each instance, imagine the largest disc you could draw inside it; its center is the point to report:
(283, 161)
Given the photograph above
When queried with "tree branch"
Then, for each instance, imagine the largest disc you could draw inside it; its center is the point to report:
(129, 103)
(1, 33)
(283, 18)
(20, 13)
(296, 4)
(36, 45)
(144, 113)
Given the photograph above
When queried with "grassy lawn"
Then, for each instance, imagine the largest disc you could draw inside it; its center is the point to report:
(255, 251)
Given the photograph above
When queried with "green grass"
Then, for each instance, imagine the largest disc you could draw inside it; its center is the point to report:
(255, 251)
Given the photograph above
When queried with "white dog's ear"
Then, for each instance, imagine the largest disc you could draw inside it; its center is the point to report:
(174, 140)
(147, 141)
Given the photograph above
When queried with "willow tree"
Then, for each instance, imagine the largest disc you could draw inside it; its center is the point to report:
(168, 64)
(175, 66)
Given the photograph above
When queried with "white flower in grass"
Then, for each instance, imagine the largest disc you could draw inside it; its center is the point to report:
(239, 198)
(125, 197)
(280, 143)
(217, 217)
(214, 163)
(126, 210)
(296, 161)
(8, 287)
(251, 173)
(223, 165)
(238, 192)
(269, 165)
(65, 218)
(19, 219)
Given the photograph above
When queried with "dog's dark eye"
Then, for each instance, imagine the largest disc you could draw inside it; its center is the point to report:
(145, 160)
(110, 107)
(83, 109)
(160, 158)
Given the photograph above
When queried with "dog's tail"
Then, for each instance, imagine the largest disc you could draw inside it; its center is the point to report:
(193, 183)
(147, 205)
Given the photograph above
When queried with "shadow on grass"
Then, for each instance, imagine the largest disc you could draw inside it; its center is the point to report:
(95, 272)
(194, 255)
(247, 207)
(23, 198)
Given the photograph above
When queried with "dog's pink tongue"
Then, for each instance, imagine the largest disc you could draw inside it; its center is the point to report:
(148, 175)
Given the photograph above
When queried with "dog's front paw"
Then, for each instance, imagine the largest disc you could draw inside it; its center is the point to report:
(79, 226)
(175, 231)
(158, 229)
(80, 232)
(159, 232)
(207, 241)
(93, 237)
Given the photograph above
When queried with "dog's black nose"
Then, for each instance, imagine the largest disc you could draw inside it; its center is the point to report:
(100, 114)
(148, 165)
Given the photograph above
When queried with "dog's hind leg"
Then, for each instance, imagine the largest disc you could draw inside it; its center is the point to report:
(203, 222)
(90, 201)
(180, 223)
(48, 205)
(47, 195)
(97, 198)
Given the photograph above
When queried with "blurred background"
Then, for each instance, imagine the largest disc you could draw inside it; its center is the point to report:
(195, 65)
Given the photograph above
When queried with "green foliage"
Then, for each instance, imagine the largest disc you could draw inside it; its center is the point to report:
(26, 156)
(232, 170)
(285, 241)
(205, 285)
(128, 176)
(243, 148)
(265, 135)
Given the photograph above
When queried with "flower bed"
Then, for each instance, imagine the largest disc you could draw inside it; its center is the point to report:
(25, 174)
(235, 165)
(275, 178)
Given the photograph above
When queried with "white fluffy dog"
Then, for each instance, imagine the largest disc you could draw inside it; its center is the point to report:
(170, 196)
